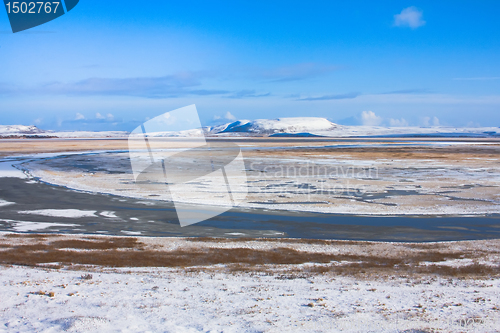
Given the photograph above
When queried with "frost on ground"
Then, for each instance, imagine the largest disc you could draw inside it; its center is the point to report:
(394, 177)
(96, 283)
(166, 300)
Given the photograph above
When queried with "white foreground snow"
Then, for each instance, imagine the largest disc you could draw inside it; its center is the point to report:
(167, 300)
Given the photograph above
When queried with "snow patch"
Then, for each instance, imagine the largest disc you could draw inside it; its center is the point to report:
(108, 214)
(4, 203)
(70, 213)
(134, 233)
(22, 226)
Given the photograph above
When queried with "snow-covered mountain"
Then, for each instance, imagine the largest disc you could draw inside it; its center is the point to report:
(15, 131)
(311, 126)
(19, 130)
(280, 125)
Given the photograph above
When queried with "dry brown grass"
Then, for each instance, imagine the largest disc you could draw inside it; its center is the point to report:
(277, 240)
(130, 252)
(24, 146)
(28, 146)
(455, 153)
(99, 244)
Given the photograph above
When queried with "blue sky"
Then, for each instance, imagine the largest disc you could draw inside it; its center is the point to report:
(109, 65)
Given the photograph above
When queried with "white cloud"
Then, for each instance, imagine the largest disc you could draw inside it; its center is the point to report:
(229, 116)
(409, 17)
(37, 121)
(369, 118)
(428, 121)
(79, 116)
(108, 117)
(398, 122)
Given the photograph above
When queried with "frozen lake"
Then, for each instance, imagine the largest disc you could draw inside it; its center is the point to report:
(31, 206)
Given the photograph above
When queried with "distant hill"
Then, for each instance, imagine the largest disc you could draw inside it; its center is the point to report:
(22, 131)
(280, 125)
(19, 130)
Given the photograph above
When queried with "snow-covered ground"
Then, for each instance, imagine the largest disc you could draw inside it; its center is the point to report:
(263, 298)
(167, 300)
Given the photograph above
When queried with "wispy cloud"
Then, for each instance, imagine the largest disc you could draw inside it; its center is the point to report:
(247, 94)
(204, 92)
(7, 89)
(170, 86)
(409, 17)
(151, 87)
(297, 72)
(407, 91)
(486, 78)
(330, 97)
